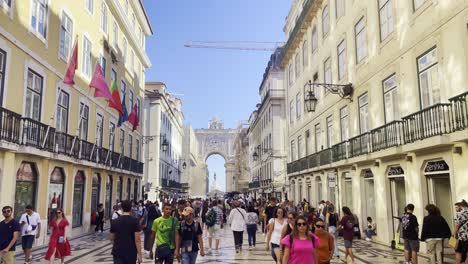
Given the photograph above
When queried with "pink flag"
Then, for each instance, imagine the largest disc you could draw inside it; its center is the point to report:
(99, 83)
(72, 66)
(133, 117)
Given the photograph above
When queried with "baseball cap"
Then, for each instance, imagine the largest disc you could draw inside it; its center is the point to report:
(187, 211)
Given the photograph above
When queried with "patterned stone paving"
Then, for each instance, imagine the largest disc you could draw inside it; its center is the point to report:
(96, 249)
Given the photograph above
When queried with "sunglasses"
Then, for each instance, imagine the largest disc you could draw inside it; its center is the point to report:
(301, 224)
(6, 211)
(319, 226)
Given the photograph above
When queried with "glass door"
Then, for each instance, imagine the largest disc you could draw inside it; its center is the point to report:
(440, 194)
(398, 198)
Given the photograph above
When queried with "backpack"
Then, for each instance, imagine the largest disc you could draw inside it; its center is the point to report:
(93, 218)
(350, 223)
(210, 218)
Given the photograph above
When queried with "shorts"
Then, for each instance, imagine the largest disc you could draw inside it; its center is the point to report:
(274, 248)
(462, 247)
(27, 241)
(7, 258)
(348, 244)
(412, 245)
(214, 232)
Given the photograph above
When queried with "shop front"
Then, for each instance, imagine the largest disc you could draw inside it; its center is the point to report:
(95, 192)
(396, 178)
(348, 190)
(56, 193)
(78, 199)
(369, 194)
(331, 178)
(319, 187)
(135, 190)
(437, 174)
(26, 187)
(108, 202)
(129, 190)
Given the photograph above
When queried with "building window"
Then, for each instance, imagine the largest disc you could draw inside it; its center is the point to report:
(298, 106)
(130, 98)
(305, 54)
(325, 21)
(133, 22)
(122, 141)
(61, 123)
(291, 111)
(363, 113)
(115, 34)
(99, 129)
(111, 136)
(299, 146)
(293, 150)
(418, 3)
(103, 63)
(390, 98)
(428, 73)
(361, 40)
(34, 95)
(344, 123)
(39, 15)
(83, 122)
(104, 17)
(132, 63)
(124, 51)
(327, 73)
(137, 148)
(342, 60)
(113, 75)
(290, 74)
(138, 108)
(297, 64)
(87, 48)
(66, 36)
(314, 39)
(329, 131)
(318, 138)
(130, 145)
(386, 18)
(307, 139)
(126, 7)
(123, 88)
(89, 5)
(2, 73)
(340, 8)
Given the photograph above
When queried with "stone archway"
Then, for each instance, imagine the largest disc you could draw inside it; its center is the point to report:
(216, 140)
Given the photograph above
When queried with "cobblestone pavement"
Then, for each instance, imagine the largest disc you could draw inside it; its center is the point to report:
(97, 249)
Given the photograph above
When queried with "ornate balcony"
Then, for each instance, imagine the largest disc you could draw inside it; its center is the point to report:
(429, 122)
(388, 135)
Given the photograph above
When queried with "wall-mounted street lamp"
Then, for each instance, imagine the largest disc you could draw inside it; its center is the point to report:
(344, 91)
(164, 143)
(184, 165)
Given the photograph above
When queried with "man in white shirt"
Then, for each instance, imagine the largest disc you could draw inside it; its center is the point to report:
(237, 222)
(30, 230)
(117, 211)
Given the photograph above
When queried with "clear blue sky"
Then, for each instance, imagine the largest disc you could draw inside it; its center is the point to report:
(214, 82)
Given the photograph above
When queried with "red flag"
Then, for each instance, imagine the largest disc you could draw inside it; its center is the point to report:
(133, 117)
(116, 103)
(99, 83)
(72, 66)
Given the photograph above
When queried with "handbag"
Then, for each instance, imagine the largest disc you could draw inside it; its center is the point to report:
(453, 242)
(30, 227)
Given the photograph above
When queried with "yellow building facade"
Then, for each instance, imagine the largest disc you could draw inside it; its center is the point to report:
(60, 146)
(401, 137)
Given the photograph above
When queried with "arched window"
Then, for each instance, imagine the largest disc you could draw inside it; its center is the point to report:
(129, 189)
(135, 190)
(78, 197)
(56, 189)
(26, 185)
(95, 192)
(108, 205)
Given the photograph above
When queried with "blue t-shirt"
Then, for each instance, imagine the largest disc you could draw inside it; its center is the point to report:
(6, 233)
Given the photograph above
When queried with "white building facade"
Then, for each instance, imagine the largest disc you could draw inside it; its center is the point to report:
(163, 140)
(402, 138)
(267, 134)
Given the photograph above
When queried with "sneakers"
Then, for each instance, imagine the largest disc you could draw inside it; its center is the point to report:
(368, 239)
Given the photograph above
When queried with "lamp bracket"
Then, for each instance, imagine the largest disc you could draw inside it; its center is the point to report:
(345, 91)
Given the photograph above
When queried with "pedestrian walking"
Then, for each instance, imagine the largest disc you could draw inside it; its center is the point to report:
(117, 211)
(410, 228)
(461, 232)
(347, 223)
(100, 219)
(434, 230)
(270, 211)
(252, 221)
(181, 204)
(191, 239)
(237, 221)
(214, 222)
(287, 229)
(275, 227)
(165, 230)
(59, 246)
(205, 208)
(30, 223)
(331, 221)
(300, 246)
(153, 214)
(371, 229)
(9, 234)
(326, 247)
(125, 237)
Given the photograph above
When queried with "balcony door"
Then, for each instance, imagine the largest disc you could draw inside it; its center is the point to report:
(2, 74)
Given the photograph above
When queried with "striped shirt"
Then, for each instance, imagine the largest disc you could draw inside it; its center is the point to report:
(219, 215)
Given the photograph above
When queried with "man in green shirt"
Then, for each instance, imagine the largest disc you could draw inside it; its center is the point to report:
(166, 231)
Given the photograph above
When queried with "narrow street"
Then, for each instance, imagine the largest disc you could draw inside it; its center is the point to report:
(97, 249)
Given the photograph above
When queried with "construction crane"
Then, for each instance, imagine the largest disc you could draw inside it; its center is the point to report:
(234, 45)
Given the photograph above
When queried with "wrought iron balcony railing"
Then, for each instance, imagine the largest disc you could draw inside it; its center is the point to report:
(429, 122)
(459, 111)
(388, 135)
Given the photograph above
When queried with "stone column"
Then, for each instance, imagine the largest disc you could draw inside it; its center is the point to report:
(459, 171)
(8, 179)
(152, 150)
(383, 215)
(230, 173)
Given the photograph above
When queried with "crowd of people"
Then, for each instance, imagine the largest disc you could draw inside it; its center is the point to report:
(294, 233)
